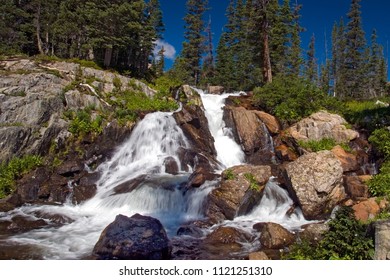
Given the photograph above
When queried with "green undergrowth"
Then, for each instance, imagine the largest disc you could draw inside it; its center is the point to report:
(14, 169)
(83, 122)
(322, 145)
(290, 99)
(347, 239)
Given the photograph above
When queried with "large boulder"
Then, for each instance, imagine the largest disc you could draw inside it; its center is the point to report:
(274, 236)
(316, 181)
(322, 125)
(240, 190)
(366, 209)
(215, 89)
(382, 240)
(251, 133)
(135, 238)
(348, 160)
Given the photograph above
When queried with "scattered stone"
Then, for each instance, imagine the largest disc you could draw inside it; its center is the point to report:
(348, 160)
(215, 89)
(382, 240)
(261, 256)
(366, 209)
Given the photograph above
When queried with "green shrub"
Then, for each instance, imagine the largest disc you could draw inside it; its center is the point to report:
(291, 99)
(346, 240)
(164, 85)
(13, 170)
(228, 174)
(380, 138)
(82, 124)
(379, 185)
(320, 145)
(253, 185)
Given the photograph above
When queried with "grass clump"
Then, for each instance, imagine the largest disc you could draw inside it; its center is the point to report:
(253, 185)
(14, 169)
(229, 175)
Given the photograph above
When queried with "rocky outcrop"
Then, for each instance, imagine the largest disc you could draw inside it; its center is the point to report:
(215, 89)
(322, 125)
(274, 236)
(348, 160)
(34, 95)
(382, 240)
(135, 238)
(252, 133)
(240, 190)
(316, 181)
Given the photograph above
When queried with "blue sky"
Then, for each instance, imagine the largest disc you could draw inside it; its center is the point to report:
(318, 17)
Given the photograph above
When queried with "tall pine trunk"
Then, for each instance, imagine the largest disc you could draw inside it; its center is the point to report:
(267, 69)
(38, 29)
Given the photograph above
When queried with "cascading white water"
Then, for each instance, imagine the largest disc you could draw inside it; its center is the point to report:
(154, 139)
(229, 153)
(158, 194)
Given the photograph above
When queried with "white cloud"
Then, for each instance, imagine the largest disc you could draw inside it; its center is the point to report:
(170, 50)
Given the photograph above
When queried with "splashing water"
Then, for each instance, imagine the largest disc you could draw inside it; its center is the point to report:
(229, 153)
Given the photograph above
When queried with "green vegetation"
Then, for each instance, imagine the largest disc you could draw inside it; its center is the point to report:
(346, 240)
(380, 138)
(229, 175)
(291, 99)
(253, 185)
(379, 185)
(13, 170)
(82, 122)
(322, 145)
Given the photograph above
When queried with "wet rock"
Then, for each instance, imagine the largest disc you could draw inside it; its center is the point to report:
(130, 185)
(223, 242)
(270, 122)
(56, 219)
(240, 190)
(355, 188)
(135, 238)
(382, 240)
(251, 133)
(82, 193)
(313, 232)
(200, 176)
(261, 256)
(348, 160)
(23, 224)
(322, 125)
(316, 182)
(366, 209)
(274, 236)
(171, 166)
(194, 124)
(190, 230)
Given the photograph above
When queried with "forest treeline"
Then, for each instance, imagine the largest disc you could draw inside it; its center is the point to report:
(117, 34)
(262, 39)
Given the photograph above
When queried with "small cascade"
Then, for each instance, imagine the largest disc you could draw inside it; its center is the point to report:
(229, 153)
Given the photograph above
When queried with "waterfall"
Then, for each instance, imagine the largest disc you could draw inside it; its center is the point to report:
(229, 153)
(121, 191)
(134, 181)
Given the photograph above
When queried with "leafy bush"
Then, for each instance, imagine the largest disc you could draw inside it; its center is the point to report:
(346, 240)
(379, 185)
(380, 138)
(82, 123)
(164, 85)
(291, 99)
(13, 170)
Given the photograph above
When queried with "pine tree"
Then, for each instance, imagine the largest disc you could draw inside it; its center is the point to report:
(311, 64)
(208, 70)
(160, 64)
(191, 56)
(295, 53)
(338, 65)
(375, 70)
(355, 48)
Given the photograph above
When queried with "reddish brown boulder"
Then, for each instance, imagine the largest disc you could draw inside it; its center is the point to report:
(366, 210)
(348, 160)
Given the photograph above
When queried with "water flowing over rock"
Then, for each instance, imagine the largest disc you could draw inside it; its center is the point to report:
(251, 133)
(382, 240)
(316, 180)
(135, 238)
(322, 125)
(240, 190)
